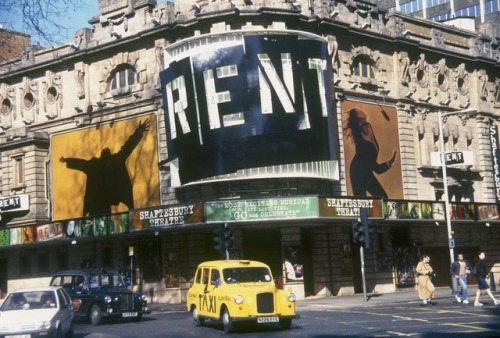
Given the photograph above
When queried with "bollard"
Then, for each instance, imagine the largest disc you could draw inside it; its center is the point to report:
(492, 282)
(454, 285)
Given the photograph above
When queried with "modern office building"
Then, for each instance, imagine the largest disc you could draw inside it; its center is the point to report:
(466, 13)
(279, 123)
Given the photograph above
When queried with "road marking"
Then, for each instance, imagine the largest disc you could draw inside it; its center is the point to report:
(401, 334)
(409, 318)
(475, 328)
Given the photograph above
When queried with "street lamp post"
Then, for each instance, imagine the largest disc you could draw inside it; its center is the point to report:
(445, 183)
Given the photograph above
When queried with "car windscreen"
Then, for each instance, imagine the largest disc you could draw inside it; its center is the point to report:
(247, 275)
(29, 300)
(106, 280)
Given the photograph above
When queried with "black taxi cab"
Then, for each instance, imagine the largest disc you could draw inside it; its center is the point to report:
(100, 294)
(235, 291)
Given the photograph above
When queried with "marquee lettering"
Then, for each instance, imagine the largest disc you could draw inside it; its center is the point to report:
(234, 99)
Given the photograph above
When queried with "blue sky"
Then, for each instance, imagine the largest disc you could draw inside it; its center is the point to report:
(11, 19)
(73, 21)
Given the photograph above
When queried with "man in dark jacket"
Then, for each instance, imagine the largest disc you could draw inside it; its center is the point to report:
(459, 270)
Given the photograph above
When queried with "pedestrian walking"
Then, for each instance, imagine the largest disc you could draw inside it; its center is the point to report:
(482, 286)
(459, 270)
(425, 287)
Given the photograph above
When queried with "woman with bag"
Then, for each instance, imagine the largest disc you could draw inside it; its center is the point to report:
(425, 287)
(481, 273)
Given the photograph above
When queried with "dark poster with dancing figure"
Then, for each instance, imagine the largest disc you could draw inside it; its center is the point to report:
(371, 148)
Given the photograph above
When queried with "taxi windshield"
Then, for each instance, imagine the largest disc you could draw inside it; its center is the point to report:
(106, 280)
(247, 275)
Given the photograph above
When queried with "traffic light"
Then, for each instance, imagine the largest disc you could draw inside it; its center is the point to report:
(228, 236)
(360, 230)
(219, 239)
(224, 237)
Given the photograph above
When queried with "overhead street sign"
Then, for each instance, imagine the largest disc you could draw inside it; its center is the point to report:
(453, 158)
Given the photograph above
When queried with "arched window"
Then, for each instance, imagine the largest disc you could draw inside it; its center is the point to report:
(363, 66)
(122, 79)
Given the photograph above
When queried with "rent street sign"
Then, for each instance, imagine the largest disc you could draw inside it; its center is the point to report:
(453, 158)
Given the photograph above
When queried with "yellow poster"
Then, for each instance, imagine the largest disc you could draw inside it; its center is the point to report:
(105, 169)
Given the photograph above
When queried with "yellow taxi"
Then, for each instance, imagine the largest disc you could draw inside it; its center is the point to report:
(239, 291)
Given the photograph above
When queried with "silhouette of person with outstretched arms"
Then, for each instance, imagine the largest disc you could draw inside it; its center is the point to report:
(108, 180)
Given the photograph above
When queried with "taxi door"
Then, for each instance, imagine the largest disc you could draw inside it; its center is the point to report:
(208, 305)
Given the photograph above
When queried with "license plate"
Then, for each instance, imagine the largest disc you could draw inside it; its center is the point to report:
(19, 336)
(129, 314)
(261, 320)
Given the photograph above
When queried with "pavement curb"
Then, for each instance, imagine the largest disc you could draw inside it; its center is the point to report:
(404, 296)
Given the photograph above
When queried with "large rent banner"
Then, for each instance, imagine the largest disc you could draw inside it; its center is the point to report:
(248, 100)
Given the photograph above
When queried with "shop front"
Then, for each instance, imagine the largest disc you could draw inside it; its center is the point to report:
(306, 240)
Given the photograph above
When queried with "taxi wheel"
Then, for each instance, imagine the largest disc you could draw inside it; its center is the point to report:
(227, 321)
(285, 323)
(71, 331)
(58, 334)
(95, 315)
(198, 321)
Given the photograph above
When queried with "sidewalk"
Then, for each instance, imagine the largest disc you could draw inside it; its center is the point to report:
(401, 296)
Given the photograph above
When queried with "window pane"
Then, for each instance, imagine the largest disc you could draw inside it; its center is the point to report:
(355, 69)
(121, 77)
(364, 70)
(131, 77)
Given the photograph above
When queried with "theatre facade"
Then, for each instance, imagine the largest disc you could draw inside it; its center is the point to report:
(132, 146)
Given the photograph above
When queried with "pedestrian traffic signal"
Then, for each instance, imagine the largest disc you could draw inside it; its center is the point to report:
(360, 231)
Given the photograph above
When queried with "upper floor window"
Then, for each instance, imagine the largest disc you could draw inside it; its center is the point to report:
(471, 11)
(441, 17)
(431, 3)
(412, 6)
(122, 79)
(363, 66)
(491, 6)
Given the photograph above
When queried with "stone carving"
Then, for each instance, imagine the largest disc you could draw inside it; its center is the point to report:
(483, 83)
(441, 73)
(333, 48)
(475, 46)
(461, 79)
(420, 70)
(52, 88)
(29, 104)
(404, 61)
(496, 90)
(159, 57)
(437, 38)
(79, 79)
(8, 102)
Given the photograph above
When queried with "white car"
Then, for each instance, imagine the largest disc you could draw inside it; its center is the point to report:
(37, 312)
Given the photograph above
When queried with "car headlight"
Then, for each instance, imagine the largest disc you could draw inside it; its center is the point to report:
(144, 298)
(107, 299)
(238, 299)
(44, 325)
(291, 297)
